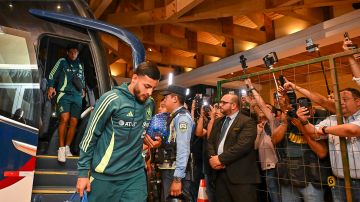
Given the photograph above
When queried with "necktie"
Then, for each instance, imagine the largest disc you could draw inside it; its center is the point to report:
(224, 127)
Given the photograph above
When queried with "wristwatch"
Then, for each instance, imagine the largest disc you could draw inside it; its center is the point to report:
(177, 179)
(251, 89)
(323, 130)
(304, 122)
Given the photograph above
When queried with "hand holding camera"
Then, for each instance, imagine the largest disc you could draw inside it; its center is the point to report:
(303, 114)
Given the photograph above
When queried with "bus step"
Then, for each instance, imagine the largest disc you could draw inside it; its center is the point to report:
(55, 178)
(52, 193)
(51, 162)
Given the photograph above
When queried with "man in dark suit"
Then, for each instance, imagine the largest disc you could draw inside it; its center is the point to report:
(232, 154)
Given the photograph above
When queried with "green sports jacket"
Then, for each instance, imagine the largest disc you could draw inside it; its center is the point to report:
(63, 72)
(112, 144)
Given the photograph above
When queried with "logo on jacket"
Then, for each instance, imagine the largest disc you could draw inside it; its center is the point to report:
(127, 123)
(148, 113)
(130, 114)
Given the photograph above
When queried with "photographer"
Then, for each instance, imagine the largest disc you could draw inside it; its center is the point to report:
(203, 128)
(328, 129)
(298, 156)
(267, 153)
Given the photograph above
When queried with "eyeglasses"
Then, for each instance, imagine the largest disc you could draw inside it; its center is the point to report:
(224, 102)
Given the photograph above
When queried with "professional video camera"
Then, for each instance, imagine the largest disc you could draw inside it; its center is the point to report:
(292, 99)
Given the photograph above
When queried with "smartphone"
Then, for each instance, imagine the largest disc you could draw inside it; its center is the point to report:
(282, 80)
(243, 92)
(304, 103)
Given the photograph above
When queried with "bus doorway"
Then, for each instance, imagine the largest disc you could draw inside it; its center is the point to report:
(51, 49)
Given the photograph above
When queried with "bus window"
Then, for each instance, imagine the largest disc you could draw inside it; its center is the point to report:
(19, 88)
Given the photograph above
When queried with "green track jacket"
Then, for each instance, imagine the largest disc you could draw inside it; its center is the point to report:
(63, 72)
(112, 144)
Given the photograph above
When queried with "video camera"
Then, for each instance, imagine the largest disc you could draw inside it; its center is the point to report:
(347, 38)
(292, 99)
(351, 46)
(270, 59)
(310, 46)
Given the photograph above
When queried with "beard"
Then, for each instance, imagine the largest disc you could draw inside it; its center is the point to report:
(137, 94)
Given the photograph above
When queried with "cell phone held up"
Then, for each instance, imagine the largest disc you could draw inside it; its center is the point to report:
(305, 103)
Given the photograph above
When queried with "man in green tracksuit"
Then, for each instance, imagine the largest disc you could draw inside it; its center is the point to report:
(69, 98)
(110, 161)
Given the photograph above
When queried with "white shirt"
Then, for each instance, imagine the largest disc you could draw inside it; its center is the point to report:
(221, 145)
(353, 147)
(357, 80)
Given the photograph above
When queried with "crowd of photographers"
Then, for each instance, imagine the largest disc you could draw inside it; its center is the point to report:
(297, 144)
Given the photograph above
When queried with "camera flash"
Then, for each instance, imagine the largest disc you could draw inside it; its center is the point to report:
(170, 79)
(243, 92)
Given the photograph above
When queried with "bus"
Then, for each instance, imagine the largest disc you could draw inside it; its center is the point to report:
(33, 36)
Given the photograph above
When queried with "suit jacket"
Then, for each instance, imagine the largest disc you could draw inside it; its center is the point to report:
(239, 155)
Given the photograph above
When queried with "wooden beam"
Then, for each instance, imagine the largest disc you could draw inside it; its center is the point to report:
(229, 45)
(178, 8)
(101, 8)
(312, 15)
(231, 30)
(94, 3)
(170, 59)
(269, 28)
(180, 43)
(211, 10)
(193, 45)
(192, 40)
(149, 4)
(257, 18)
(124, 52)
(279, 3)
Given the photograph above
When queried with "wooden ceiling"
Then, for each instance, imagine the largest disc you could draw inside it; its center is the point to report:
(181, 35)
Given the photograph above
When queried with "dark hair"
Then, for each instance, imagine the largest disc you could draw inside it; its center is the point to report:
(72, 46)
(148, 69)
(355, 93)
(181, 98)
(304, 98)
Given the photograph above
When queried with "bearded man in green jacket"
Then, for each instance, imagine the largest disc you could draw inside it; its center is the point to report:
(111, 167)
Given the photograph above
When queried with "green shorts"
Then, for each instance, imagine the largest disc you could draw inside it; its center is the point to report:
(129, 190)
(69, 103)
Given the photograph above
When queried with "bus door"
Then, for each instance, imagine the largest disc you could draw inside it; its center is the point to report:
(19, 114)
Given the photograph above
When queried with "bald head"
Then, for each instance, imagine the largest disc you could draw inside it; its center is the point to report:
(229, 104)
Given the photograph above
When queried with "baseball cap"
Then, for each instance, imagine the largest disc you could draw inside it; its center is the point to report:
(178, 90)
